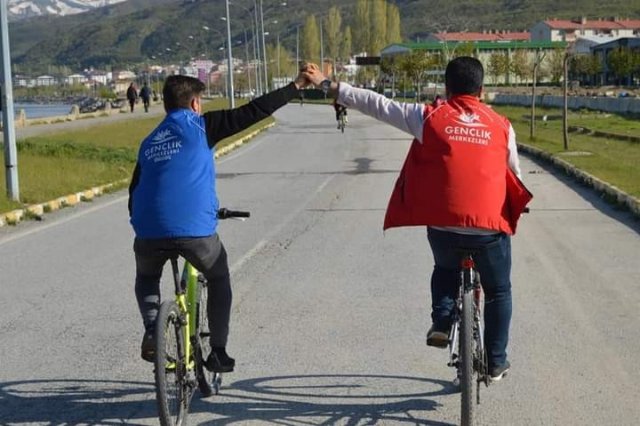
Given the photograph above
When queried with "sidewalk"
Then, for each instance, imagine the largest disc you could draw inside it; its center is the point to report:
(155, 110)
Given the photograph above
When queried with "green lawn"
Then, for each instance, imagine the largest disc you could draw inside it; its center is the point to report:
(62, 163)
(611, 160)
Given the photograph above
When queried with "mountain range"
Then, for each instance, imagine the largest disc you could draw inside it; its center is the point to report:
(131, 32)
(23, 9)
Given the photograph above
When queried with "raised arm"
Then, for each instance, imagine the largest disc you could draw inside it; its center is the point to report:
(224, 123)
(407, 117)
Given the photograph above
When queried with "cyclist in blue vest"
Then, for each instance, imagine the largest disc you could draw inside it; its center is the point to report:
(173, 203)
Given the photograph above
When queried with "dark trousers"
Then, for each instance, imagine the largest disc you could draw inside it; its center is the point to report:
(494, 264)
(207, 255)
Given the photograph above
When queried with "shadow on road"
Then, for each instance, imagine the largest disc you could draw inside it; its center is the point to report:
(331, 399)
(79, 401)
(305, 399)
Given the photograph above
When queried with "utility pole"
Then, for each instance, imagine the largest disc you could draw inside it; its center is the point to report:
(8, 128)
(565, 112)
(246, 52)
(321, 48)
(278, 44)
(232, 103)
(264, 50)
(297, 47)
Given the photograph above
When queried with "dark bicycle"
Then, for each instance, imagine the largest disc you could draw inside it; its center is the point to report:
(466, 338)
(467, 351)
(342, 120)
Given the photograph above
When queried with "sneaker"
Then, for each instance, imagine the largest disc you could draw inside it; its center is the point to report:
(148, 346)
(219, 362)
(497, 373)
(437, 338)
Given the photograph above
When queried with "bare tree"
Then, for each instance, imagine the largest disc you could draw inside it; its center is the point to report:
(537, 60)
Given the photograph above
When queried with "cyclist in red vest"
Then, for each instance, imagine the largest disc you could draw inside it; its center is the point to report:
(461, 180)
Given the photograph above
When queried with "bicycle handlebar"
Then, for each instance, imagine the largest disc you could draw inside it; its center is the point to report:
(224, 213)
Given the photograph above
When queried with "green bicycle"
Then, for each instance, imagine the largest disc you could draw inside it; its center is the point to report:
(182, 343)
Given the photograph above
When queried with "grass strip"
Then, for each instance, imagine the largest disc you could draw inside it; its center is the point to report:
(613, 161)
(63, 163)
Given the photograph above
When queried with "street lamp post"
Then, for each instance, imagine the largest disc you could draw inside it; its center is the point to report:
(229, 59)
(246, 53)
(9, 131)
(264, 50)
(255, 42)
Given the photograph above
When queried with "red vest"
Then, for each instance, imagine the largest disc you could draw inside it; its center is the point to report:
(459, 174)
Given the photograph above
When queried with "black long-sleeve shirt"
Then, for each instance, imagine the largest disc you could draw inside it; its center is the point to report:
(221, 124)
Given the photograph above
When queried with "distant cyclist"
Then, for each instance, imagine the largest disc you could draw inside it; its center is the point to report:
(341, 111)
(460, 180)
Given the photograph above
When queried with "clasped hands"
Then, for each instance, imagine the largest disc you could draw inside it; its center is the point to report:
(309, 75)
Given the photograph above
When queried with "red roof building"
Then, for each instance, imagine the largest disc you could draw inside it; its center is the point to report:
(570, 30)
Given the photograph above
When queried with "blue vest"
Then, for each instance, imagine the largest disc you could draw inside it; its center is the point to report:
(176, 193)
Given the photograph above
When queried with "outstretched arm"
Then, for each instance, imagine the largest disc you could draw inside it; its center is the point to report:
(224, 123)
(407, 117)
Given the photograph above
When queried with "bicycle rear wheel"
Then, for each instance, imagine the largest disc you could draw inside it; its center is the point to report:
(467, 385)
(208, 382)
(173, 393)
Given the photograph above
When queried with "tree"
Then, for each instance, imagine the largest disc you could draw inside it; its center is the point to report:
(390, 66)
(378, 29)
(520, 64)
(622, 63)
(555, 65)
(281, 62)
(498, 65)
(345, 46)
(585, 67)
(393, 24)
(537, 60)
(463, 49)
(414, 65)
(332, 27)
(310, 40)
(361, 22)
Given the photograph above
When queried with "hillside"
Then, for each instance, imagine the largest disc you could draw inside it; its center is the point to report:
(136, 30)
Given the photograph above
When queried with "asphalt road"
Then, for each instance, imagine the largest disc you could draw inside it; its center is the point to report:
(329, 312)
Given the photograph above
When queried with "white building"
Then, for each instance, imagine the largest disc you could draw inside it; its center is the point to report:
(45, 80)
(570, 30)
(75, 79)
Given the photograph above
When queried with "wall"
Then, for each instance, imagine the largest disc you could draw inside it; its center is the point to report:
(617, 105)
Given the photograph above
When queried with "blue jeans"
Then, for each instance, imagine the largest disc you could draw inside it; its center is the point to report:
(494, 264)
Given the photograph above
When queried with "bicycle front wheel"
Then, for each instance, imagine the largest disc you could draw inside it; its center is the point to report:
(172, 390)
(466, 360)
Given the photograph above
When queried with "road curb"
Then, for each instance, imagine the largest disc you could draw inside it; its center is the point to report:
(608, 191)
(36, 211)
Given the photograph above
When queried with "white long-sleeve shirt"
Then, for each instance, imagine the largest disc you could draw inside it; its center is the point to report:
(410, 117)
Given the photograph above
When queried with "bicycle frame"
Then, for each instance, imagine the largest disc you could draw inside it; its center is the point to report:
(186, 290)
(469, 280)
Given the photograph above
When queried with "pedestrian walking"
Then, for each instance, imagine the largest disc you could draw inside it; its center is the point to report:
(132, 95)
(145, 95)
